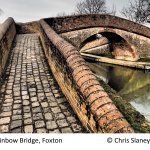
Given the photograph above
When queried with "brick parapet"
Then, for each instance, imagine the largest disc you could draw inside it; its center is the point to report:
(71, 23)
(7, 34)
(106, 114)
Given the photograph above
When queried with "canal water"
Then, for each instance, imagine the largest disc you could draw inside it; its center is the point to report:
(131, 84)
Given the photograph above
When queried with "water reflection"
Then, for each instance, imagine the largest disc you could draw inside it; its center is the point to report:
(133, 85)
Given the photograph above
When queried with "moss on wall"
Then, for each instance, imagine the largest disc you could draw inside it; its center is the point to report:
(137, 121)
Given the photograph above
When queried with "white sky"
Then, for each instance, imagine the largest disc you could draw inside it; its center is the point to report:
(30, 10)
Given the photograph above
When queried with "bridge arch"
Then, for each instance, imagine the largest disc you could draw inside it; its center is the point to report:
(135, 34)
(109, 42)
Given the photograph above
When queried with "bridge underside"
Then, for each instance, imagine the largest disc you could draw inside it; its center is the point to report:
(120, 44)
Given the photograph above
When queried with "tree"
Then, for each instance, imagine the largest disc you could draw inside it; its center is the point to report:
(138, 11)
(113, 11)
(91, 7)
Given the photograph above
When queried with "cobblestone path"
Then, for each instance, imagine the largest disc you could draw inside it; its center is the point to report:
(30, 99)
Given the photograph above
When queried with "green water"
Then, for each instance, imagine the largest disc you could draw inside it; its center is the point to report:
(132, 84)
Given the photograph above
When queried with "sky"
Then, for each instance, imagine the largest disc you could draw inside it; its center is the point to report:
(31, 10)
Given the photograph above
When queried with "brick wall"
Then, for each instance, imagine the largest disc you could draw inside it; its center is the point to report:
(25, 28)
(7, 34)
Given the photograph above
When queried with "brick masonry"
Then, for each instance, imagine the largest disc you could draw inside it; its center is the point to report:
(101, 106)
(7, 34)
(79, 28)
(71, 23)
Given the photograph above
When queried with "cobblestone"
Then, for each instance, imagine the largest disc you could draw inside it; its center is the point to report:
(62, 123)
(71, 119)
(66, 130)
(56, 110)
(28, 121)
(48, 116)
(37, 116)
(28, 129)
(39, 124)
(51, 125)
(5, 114)
(16, 117)
(59, 116)
(30, 99)
(41, 130)
(15, 124)
(54, 131)
(5, 120)
(76, 128)
(4, 128)
(18, 130)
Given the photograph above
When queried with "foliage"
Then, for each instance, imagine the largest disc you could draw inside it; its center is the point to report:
(93, 7)
(138, 11)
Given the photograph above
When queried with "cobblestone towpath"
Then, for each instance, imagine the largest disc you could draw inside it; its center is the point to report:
(30, 99)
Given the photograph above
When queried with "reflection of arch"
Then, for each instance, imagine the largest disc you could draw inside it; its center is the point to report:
(120, 48)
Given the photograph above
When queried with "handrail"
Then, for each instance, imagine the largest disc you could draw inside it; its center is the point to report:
(5, 26)
(7, 34)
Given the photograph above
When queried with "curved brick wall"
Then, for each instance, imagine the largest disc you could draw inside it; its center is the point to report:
(71, 23)
(108, 117)
(7, 34)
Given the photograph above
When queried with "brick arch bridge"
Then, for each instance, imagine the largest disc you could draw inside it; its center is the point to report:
(32, 100)
(135, 36)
